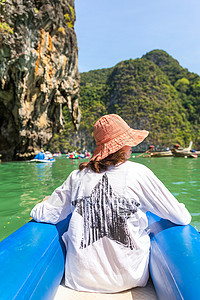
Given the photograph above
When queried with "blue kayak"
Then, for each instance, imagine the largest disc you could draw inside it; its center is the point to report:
(45, 160)
(42, 160)
(174, 259)
(32, 260)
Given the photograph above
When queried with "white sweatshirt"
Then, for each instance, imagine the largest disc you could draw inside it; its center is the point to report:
(107, 245)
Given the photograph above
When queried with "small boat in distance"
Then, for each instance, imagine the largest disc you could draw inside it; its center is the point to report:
(150, 153)
(76, 155)
(177, 151)
(57, 154)
(47, 157)
(42, 160)
(45, 160)
(186, 152)
(166, 153)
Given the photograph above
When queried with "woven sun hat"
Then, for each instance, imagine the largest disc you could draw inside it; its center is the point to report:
(112, 133)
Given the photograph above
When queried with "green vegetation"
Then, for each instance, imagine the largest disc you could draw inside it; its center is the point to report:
(5, 27)
(70, 17)
(153, 93)
(63, 141)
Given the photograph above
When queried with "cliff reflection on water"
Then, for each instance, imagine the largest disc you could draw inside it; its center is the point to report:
(22, 185)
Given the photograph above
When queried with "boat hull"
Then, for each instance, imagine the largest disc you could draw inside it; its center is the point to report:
(41, 161)
(32, 260)
(185, 154)
(162, 154)
(174, 259)
(45, 161)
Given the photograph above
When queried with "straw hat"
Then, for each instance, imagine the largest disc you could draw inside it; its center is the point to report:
(111, 133)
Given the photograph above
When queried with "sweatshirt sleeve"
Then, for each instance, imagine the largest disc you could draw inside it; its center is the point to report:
(155, 197)
(57, 207)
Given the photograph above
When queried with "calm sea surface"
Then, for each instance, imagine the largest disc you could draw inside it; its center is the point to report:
(23, 184)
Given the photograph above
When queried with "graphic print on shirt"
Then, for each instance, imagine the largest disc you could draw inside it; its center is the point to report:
(105, 214)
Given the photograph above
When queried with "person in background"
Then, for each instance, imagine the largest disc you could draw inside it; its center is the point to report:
(40, 155)
(107, 242)
(48, 155)
(148, 152)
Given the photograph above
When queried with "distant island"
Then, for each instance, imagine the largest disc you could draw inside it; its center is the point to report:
(153, 93)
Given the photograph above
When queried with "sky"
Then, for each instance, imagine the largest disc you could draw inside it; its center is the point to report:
(110, 31)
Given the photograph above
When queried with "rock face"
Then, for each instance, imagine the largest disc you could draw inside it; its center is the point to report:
(38, 73)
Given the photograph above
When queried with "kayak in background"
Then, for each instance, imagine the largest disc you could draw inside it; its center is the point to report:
(46, 158)
(42, 160)
(57, 154)
(75, 155)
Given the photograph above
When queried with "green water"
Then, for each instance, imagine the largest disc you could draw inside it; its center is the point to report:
(22, 185)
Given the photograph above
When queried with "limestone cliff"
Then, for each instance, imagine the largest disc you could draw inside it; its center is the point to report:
(38, 73)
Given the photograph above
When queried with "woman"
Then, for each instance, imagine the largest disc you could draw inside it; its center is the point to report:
(107, 244)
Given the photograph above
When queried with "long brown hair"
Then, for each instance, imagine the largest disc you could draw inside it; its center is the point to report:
(102, 165)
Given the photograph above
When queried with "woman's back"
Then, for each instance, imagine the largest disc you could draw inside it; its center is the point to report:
(107, 248)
